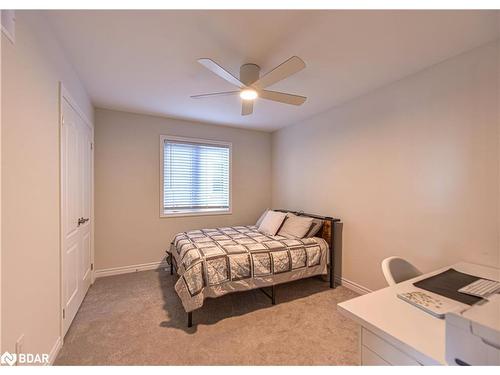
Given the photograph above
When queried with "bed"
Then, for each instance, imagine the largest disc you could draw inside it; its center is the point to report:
(214, 262)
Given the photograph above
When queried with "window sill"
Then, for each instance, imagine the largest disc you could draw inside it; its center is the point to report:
(196, 212)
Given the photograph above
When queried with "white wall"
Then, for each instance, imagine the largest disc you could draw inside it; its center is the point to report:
(411, 168)
(1, 43)
(128, 227)
(31, 71)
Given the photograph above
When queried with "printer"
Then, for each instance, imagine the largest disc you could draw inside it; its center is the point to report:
(473, 335)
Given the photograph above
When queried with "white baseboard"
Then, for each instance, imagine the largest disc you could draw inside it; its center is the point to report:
(54, 351)
(129, 269)
(360, 289)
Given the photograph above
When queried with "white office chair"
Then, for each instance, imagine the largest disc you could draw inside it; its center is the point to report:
(397, 269)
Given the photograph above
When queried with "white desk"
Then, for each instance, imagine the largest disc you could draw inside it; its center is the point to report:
(393, 332)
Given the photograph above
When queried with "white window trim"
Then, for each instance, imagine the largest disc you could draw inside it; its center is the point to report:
(196, 212)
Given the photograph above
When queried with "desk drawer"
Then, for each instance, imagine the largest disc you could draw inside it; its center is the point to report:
(369, 358)
(384, 350)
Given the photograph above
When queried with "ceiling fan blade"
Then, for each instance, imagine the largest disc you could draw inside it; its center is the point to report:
(282, 97)
(215, 94)
(291, 66)
(221, 72)
(246, 107)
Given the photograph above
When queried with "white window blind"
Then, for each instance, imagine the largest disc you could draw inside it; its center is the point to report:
(195, 176)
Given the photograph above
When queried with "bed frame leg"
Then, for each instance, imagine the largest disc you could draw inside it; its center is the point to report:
(190, 319)
(331, 265)
(273, 294)
(332, 278)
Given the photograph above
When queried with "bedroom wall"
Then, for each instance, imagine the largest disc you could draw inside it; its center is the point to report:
(128, 228)
(31, 71)
(412, 169)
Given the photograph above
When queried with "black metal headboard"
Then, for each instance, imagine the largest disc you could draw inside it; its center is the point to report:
(327, 233)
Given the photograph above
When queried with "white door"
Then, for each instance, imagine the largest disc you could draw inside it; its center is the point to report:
(76, 186)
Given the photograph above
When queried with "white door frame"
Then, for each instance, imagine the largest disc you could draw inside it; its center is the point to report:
(64, 95)
(0, 195)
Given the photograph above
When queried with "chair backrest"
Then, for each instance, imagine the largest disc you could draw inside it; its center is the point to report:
(397, 269)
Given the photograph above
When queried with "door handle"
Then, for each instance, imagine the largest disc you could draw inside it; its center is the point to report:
(82, 221)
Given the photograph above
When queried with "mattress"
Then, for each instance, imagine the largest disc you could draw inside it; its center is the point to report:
(214, 262)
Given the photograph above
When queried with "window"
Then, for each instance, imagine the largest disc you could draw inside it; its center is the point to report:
(195, 177)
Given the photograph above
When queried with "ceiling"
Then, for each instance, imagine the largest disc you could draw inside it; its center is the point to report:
(145, 61)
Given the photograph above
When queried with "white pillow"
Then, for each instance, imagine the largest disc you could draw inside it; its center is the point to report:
(295, 226)
(272, 222)
(261, 217)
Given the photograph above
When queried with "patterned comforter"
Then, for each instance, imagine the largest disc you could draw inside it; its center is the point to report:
(214, 262)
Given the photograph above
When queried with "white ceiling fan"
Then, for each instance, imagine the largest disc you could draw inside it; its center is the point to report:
(251, 86)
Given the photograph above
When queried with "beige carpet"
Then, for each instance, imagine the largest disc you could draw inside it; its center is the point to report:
(137, 319)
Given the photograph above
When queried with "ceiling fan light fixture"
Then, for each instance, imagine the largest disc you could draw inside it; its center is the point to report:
(252, 86)
(248, 94)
